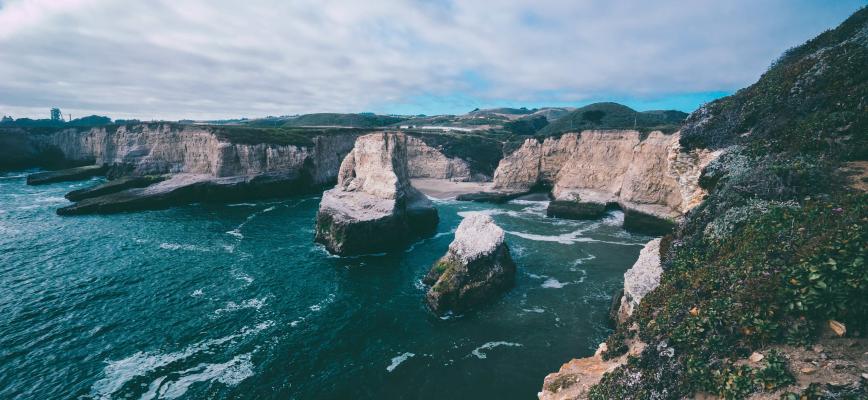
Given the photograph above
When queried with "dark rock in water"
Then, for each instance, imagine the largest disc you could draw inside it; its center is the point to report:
(117, 185)
(489, 197)
(475, 270)
(374, 208)
(568, 209)
(639, 222)
(71, 174)
(189, 188)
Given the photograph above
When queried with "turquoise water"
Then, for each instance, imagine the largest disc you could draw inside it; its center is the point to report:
(235, 301)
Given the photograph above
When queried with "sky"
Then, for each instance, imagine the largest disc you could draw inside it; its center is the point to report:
(213, 59)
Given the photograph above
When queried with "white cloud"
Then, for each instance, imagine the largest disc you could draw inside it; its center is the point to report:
(207, 59)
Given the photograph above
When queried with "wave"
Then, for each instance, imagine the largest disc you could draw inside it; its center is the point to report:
(229, 373)
(478, 352)
(237, 231)
(396, 361)
(120, 372)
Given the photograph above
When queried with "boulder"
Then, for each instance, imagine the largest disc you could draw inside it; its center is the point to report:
(476, 268)
(569, 209)
(374, 208)
(641, 279)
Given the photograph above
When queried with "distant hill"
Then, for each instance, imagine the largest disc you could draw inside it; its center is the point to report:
(362, 120)
(614, 116)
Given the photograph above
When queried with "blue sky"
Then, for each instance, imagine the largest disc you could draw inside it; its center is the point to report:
(208, 59)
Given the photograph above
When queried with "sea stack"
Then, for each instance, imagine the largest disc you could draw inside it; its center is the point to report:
(374, 208)
(476, 268)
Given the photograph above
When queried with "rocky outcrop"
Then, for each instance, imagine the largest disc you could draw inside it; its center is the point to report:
(374, 207)
(475, 269)
(647, 175)
(574, 379)
(71, 174)
(117, 185)
(424, 161)
(641, 279)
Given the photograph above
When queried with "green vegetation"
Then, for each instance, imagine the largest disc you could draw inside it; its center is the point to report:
(482, 152)
(614, 116)
(363, 120)
(526, 126)
(778, 247)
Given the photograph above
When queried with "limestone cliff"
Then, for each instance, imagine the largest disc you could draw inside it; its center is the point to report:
(374, 207)
(641, 279)
(424, 161)
(646, 174)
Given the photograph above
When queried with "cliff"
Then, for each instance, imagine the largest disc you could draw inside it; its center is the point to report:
(374, 207)
(771, 263)
(650, 174)
(222, 162)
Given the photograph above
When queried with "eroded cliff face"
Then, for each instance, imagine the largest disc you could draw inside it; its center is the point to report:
(150, 149)
(651, 175)
(424, 161)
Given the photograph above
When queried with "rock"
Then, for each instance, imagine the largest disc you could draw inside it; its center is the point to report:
(636, 221)
(489, 197)
(476, 268)
(115, 186)
(374, 207)
(641, 279)
(424, 161)
(650, 176)
(575, 209)
(837, 327)
(808, 370)
(575, 378)
(756, 357)
(615, 307)
(188, 188)
(71, 174)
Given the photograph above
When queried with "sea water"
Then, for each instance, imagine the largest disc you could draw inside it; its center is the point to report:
(236, 302)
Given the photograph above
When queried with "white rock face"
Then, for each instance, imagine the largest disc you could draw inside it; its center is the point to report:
(477, 236)
(476, 268)
(166, 148)
(641, 279)
(651, 175)
(373, 207)
(424, 161)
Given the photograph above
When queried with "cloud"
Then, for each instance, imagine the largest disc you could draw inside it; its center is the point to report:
(210, 59)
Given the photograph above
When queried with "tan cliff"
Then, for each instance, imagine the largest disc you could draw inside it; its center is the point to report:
(651, 174)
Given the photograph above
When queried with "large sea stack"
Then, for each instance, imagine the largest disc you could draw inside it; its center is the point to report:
(374, 208)
(476, 268)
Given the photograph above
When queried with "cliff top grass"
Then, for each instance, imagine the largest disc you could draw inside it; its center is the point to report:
(777, 249)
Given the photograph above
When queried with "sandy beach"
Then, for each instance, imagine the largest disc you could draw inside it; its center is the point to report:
(444, 189)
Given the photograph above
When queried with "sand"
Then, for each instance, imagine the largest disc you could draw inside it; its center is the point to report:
(444, 189)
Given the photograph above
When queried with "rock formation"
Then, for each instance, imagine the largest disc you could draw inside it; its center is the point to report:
(218, 162)
(476, 267)
(641, 279)
(424, 161)
(374, 207)
(647, 176)
(575, 378)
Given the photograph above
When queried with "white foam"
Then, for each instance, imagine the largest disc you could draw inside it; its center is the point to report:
(118, 373)
(235, 232)
(197, 293)
(478, 352)
(552, 283)
(185, 247)
(51, 199)
(538, 310)
(229, 373)
(396, 361)
(241, 276)
(249, 303)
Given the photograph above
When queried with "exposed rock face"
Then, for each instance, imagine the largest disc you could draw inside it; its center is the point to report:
(575, 378)
(374, 207)
(71, 174)
(641, 279)
(424, 161)
(476, 268)
(651, 175)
